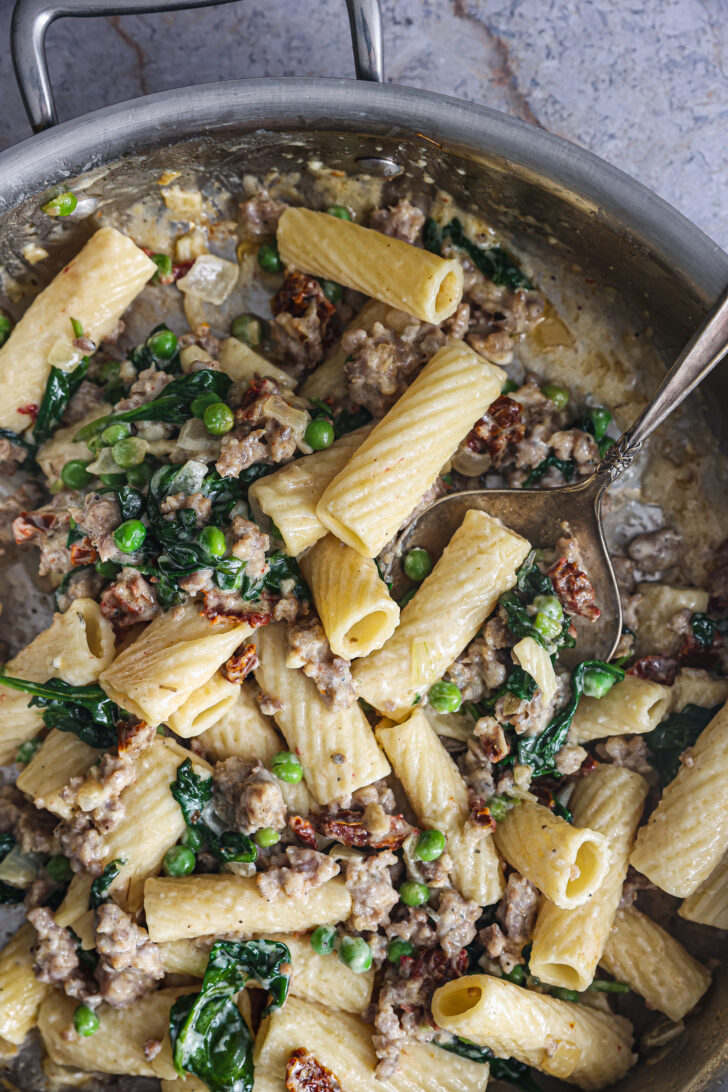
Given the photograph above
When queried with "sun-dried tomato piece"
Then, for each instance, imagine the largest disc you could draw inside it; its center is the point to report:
(83, 552)
(304, 830)
(498, 430)
(659, 669)
(574, 589)
(348, 828)
(32, 525)
(296, 295)
(693, 653)
(304, 1073)
(243, 660)
(480, 815)
(31, 410)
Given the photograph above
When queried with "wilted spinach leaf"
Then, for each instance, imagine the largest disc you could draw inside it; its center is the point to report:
(7, 841)
(172, 405)
(678, 731)
(85, 711)
(501, 1069)
(9, 894)
(494, 263)
(520, 683)
(703, 629)
(540, 751)
(100, 886)
(193, 793)
(210, 1038)
(350, 421)
(566, 466)
(530, 582)
(60, 388)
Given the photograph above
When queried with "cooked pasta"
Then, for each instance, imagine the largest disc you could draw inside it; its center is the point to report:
(708, 904)
(632, 706)
(390, 472)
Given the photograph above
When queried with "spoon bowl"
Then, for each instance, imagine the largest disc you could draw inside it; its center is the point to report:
(544, 515)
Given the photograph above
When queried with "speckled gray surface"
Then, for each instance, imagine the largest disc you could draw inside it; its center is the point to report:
(643, 83)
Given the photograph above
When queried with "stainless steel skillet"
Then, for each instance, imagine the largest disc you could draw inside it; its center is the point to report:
(553, 199)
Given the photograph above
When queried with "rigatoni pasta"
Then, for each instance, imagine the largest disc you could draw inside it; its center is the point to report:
(687, 832)
(21, 993)
(567, 944)
(708, 904)
(633, 705)
(403, 276)
(572, 1042)
(477, 566)
(356, 610)
(397, 463)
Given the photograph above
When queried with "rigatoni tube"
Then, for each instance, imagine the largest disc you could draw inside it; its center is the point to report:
(577, 1044)
(567, 864)
(391, 471)
(632, 706)
(390, 270)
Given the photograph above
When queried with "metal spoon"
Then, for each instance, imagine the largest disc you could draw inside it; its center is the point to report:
(539, 514)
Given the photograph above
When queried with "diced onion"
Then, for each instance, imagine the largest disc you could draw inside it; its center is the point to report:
(210, 278)
(63, 354)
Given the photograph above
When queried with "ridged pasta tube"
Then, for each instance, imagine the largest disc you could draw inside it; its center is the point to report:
(61, 757)
(76, 647)
(177, 653)
(355, 608)
(118, 1045)
(687, 833)
(567, 944)
(390, 270)
(654, 964)
(477, 566)
(20, 991)
(336, 747)
(95, 288)
(633, 706)
(567, 864)
(658, 604)
(204, 707)
(290, 495)
(695, 687)
(439, 799)
(367, 502)
(196, 906)
(566, 1040)
(343, 1043)
(708, 905)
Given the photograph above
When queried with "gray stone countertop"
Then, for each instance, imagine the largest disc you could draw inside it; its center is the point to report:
(643, 83)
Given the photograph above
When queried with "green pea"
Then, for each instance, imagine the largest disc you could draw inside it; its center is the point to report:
(163, 263)
(130, 535)
(179, 861)
(199, 405)
(62, 204)
(564, 994)
(59, 868)
(509, 387)
(398, 948)
(113, 433)
(192, 839)
(414, 894)
(323, 939)
(269, 259)
(600, 419)
(109, 370)
(430, 845)
(341, 212)
(267, 836)
(548, 627)
(445, 697)
(517, 975)
(597, 683)
(248, 328)
(140, 476)
(604, 446)
(112, 479)
(407, 596)
(26, 751)
(5, 327)
(85, 1020)
(418, 564)
(130, 451)
(162, 345)
(332, 291)
(218, 418)
(549, 605)
(498, 807)
(286, 767)
(356, 954)
(604, 985)
(107, 569)
(212, 539)
(556, 394)
(319, 434)
(74, 474)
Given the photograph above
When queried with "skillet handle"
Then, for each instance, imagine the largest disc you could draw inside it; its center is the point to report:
(31, 19)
